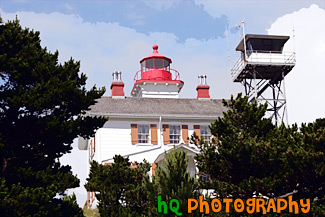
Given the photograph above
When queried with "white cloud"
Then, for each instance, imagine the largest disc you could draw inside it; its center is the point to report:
(305, 83)
(68, 7)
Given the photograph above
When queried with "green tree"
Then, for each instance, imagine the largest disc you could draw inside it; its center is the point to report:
(172, 181)
(42, 107)
(120, 190)
(251, 156)
(124, 191)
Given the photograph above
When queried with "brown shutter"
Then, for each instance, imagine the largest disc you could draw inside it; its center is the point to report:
(92, 198)
(185, 133)
(154, 167)
(134, 134)
(134, 164)
(166, 133)
(88, 199)
(90, 150)
(216, 139)
(153, 129)
(197, 131)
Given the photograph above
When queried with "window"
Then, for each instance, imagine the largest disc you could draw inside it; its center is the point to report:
(206, 133)
(166, 63)
(143, 133)
(174, 134)
(205, 177)
(158, 63)
(143, 66)
(149, 63)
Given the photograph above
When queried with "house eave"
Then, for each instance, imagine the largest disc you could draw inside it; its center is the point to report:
(150, 116)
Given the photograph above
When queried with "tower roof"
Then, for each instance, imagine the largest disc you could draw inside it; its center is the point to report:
(155, 53)
(271, 42)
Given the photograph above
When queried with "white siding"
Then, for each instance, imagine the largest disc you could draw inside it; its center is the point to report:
(158, 90)
(115, 138)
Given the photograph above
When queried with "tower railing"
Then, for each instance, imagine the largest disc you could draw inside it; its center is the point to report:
(175, 74)
(259, 57)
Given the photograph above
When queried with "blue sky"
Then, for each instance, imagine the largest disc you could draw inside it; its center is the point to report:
(197, 19)
(115, 35)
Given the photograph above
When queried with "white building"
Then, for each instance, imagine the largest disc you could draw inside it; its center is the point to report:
(153, 120)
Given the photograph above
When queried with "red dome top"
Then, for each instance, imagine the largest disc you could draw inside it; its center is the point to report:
(156, 54)
(155, 48)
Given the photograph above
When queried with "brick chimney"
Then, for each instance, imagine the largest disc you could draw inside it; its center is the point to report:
(203, 88)
(117, 86)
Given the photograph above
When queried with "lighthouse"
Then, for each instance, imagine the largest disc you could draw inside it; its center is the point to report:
(156, 78)
(153, 120)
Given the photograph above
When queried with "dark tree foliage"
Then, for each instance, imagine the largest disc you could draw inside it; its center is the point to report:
(124, 191)
(120, 189)
(42, 107)
(251, 156)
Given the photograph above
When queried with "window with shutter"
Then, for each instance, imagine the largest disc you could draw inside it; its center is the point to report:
(134, 164)
(205, 132)
(134, 134)
(90, 150)
(197, 130)
(143, 133)
(154, 138)
(94, 143)
(185, 134)
(174, 134)
(166, 133)
(153, 169)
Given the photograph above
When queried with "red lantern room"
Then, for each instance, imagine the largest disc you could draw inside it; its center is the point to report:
(156, 78)
(155, 66)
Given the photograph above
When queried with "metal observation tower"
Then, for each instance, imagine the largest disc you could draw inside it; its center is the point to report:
(262, 68)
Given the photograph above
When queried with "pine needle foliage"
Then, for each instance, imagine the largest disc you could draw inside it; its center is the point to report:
(173, 181)
(253, 157)
(42, 108)
(119, 189)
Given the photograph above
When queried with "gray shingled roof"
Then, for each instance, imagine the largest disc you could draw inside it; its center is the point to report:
(158, 106)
